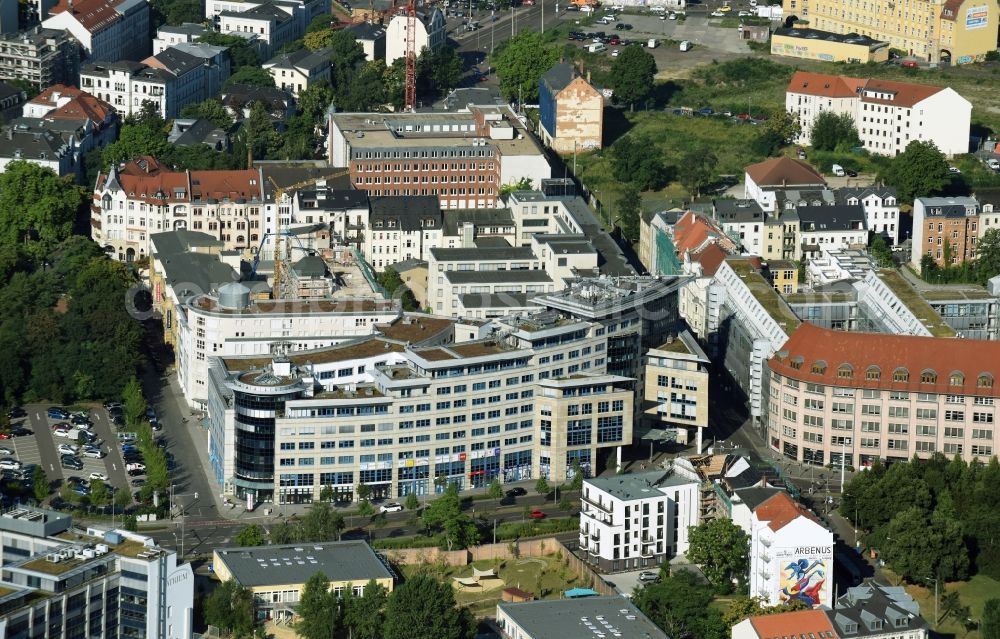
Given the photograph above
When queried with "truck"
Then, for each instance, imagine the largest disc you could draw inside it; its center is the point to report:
(652, 44)
(838, 170)
(685, 45)
(597, 47)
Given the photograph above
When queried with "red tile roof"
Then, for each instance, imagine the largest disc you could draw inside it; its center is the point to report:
(825, 85)
(904, 93)
(83, 106)
(793, 624)
(711, 258)
(218, 185)
(784, 171)
(93, 15)
(691, 231)
(780, 510)
(48, 96)
(886, 354)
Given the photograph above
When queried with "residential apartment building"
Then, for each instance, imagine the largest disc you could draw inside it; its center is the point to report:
(675, 397)
(881, 208)
(940, 31)
(277, 574)
(462, 158)
(72, 581)
(837, 226)
(401, 228)
(144, 197)
(297, 71)
(571, 111)
(170, 35)
(272, 25)
(762, 180)
(945, 229)
(431, 33)
(887, 114)
(303, 11)
(39, 146)
(371, 37)
(107, 30)
(578, 617)
(858, 397)
(40, 56)
(743, 222)
(638, 520)
(415, 410)
(791, 554)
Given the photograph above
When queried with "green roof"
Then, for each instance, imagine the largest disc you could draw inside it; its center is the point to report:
(766, 296)
(956, 294)
(917, 304)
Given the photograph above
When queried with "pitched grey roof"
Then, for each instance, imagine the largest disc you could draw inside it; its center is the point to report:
(754, 497)
(499, 300)
(410, 213)
(839, 217)
(738, 211)
(181, 241)
(496, 277)
(873, 609)
(329, 199)
(310, 266)
(482, 254)
(861, 192)
(558, 77)
(201, 131)
(294, 564)
(582, 617)
(480, 217)
(491, 242)
(22, 144)
(266, 11)
(8, 90)
(303, 58)
(366, 31)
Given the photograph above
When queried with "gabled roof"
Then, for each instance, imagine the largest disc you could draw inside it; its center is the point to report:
(904, 94)
(366, 31)
(93, 15)
(791, 625)
(711, 258)
(559, 76)
(825, 85)
(692, 231)
(837, 217)
(780, 510)
(409, 213)
(301, 59)
(784, 171)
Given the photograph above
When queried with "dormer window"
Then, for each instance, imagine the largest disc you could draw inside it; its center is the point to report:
(956, 379)
(845, 371)
(985, 381)
(873, 374)
(928, 377)
(900, 375)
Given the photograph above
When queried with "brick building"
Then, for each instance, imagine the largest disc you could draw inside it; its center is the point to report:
(945, 227)
(571, 111)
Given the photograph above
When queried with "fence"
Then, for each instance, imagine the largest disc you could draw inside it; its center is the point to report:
(370, 276)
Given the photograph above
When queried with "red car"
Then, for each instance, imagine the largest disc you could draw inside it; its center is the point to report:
(6, 436)
(909, 64)
(537, 514)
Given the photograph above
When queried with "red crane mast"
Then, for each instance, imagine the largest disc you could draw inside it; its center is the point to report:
(411, 56)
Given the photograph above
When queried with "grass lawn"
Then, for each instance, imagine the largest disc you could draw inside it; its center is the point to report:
(545, 577)
(973, 593)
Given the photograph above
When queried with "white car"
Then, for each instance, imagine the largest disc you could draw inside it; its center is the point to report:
(672, 16)
(993, 163)
(66, 449)
(93, 452)
(10, 464)
(390, 508)
(717, 14)
(98, 476)
(68, 434)
(135, 466)
(614, 54)
(954, 169)
(744, 14)
(6, 451)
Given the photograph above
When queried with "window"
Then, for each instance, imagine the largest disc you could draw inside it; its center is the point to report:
(982, 418)
(926, 413)
(955, 433)
(928, 377)
(954, 415)
(926, 431)
(956, 379)
(869, 442)
(982, 433)
(873, 373)
(871, 409)
(842, 407)
(814, 404)
(819, 368)
(899, 411)
(900, 375)
(985, 381)
(870, 427)
(845, 371)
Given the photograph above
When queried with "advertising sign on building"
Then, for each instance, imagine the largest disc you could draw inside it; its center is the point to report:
(806, 573)
(977, 17)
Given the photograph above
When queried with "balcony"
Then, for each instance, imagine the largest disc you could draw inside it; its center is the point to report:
(764, 541)
(766, 558)
(597, 505)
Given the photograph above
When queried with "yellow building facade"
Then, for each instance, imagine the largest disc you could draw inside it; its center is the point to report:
(812, 44)
(938, 31)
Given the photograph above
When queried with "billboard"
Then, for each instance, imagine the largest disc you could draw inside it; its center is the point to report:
(806, 574)
(977, 17)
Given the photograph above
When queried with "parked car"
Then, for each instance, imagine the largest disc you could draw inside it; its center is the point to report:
(16, 413)
(81, 422)
(391, 507)
(61, 425)
(7, 435)
(717, 14)
(93, 453)
(6, 451)
(21, 432)
(537, 514)
(83, 491)
(138, 483)
(111, 403)
(9, 464)
(98, 476)
(909, 64)
(66, 449)
(517, 492)
(993, 163)
(851, 173)
(68, 433)
(648, 575)
(135, 466)
(57, 413)
(71, 462)
(135, 472)
(954, 169)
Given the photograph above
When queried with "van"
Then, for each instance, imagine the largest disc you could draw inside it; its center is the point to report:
(652, 44)
(838, 170)
(597, 47)
(685, 45)
(658, 10)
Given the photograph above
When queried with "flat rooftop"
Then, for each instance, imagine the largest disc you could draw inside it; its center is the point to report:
(368, 347)
(956, 294)
(297, 306)
(582, 618)
(639, 485)
(293, 564)
(765, 294)
(415, 329)
(917, 304)
(495, 277)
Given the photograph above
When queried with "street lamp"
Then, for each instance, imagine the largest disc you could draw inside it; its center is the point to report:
(171, 509)
(934, 579)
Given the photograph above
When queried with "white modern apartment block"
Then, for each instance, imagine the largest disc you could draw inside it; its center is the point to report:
(639, 519)
(89, 581)
(791, 554)
(107, 30)
(143, 197)
(837, 226)
(167, 35)
(881, 208)
(430, 34)
(888, 114)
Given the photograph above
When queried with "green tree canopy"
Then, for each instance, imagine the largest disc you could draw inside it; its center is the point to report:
(251, 76)
(721, 549)
(542, 487)
(988, 255)
(438, 71)
(230, 607)
(365, 615)
(696, 170)
(919, 171)
(521, 62)
(630, 211)
(317, 609)
(143, 133)
(212, 110)
(744, 607)
(632, 73)
(241, 53)
(424, 608)
(39, 484)
(681, 606)
(37, 209)
(251, 535)
(989, 624)
(445, 514)
(637, 161)
(832, 131)
(321, 523)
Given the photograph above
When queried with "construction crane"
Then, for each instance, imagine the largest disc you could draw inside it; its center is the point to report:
(411, 56)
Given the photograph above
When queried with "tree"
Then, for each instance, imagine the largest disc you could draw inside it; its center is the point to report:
(881, 252)
(257, 134)
(134, 405)
(632, 75)
(283, 532)
(542, 486)
(721, 550)
(520, 63)
(919, 171)
(767, 144)
(241, 53)
(317, 40)
(212, 110)
(251, 535)
(783, 125)
(39, 484)
(122, 500)
(252, 76)
(495, 490)
(937, 548)
(321, 523)
(989, 623)
(743, 607)
(364, 491)
(636, 161)
(317, 609)
(630, 210)
(438, 70)
(143, 133)
(445, 513)
(230, 607)
(681, 606)
(365, 615)
(424, 608)
(412, 502)
(988, 255)
(832, 131)
(696, 170)
(37, 209)
(577, 482)
(327, 494)
(390, 280)
(524, 184)
(99, 493)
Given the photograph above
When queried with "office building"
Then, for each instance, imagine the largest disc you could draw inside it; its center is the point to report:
(638, 520)
(580, 617)
(462, 158)
(940, 32)
(945, 229)
(676, 391)
(858, 397)
(887, 114)
(72, 581)
(277, 574)
(813, 44)
(571, 111)
(791, 554)
(425, 402)
(107, 30)
(40, 56)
